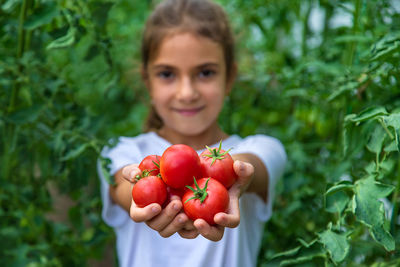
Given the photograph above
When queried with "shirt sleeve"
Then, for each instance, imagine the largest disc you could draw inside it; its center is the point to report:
(122, 154)
(272, 153)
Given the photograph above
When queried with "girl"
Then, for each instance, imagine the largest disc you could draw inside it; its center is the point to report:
(188, 68)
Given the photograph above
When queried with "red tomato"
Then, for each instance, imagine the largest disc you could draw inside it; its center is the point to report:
(174, 192)
(204, 199)
(149, 190)
(171, 192)
(178, 165)
(218, 164)
(150, 165)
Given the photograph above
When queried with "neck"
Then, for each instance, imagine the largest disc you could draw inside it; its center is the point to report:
(198, 141)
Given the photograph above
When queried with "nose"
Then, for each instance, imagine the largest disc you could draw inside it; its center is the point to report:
(186, 90)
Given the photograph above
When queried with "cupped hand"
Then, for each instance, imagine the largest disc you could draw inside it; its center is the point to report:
(230, 218)
(165, 220)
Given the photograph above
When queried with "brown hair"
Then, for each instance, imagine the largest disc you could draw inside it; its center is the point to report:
(202, 17)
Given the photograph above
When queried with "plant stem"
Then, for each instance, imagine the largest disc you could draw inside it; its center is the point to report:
(9, 133)
(382, 122)
(20, 51)
(352, 49)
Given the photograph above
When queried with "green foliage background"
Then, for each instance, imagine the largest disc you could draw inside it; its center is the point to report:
(321, 75)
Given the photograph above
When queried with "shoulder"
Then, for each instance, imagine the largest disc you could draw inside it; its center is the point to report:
(257, 141)
(136, 140)
(136, 148)
(269, 149)
(128, 142)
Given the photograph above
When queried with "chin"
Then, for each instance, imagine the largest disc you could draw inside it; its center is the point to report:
(191, 130)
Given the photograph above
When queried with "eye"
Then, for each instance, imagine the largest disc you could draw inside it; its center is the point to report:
(165, 74)
(206, 73)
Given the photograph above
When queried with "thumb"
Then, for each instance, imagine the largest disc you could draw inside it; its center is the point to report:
(129, 172)
(243, 169)
(245, 172)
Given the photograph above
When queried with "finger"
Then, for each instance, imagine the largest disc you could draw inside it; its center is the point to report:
(129, 172)
(245, 172)
(166, 216)
(189, 225)
(144, 214)
(176, 225)
(213, 233)
(243, 169)
(227, 220)
(230, 218)
(188, 234)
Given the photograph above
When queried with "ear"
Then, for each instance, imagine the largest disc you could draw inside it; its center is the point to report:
(230, 81)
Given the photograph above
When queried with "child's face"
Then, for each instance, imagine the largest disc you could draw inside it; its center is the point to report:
(188, 83)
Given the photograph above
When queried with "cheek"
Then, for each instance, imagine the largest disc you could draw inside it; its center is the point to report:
(159, 97)
(216, 97)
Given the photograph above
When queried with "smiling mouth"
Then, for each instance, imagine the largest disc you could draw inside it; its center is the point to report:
(188, 111)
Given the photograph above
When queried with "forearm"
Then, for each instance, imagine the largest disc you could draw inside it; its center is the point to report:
(260, 180)
(121, 192)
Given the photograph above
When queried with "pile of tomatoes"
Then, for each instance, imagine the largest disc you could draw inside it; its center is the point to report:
(202, 182)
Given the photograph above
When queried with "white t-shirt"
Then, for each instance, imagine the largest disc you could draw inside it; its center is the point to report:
(140, 246)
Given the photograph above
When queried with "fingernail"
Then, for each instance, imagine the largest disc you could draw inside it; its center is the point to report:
(180, 219)
(154, 209)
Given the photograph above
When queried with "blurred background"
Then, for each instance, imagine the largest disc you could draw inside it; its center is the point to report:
(323, 76)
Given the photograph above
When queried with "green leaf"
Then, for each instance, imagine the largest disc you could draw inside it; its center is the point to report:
(352, 38)
(336, 244)
(75, 152)
(64, 41)
(368, 114)
(290, 252)
(392, 120)
(9, 5)
(306, 244)
(42, 15)
(305, 255)
(382, 235)
(25, 115)
(100, 12)
(103, 164)
(386, 48)
(370, 211)
(391, 123)
(392, 147)
(336, 202)
(376, 140)
(349, 86)
(88, 234)
(342, 185)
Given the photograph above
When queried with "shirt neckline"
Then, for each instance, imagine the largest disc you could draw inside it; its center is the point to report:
(229, 141)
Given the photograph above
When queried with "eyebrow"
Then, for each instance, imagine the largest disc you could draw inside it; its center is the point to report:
(201, 66)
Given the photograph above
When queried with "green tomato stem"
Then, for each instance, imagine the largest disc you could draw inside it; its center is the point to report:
(198, 193)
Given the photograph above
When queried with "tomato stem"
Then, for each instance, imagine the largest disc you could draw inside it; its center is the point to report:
(145, 173)
(156, 163)
(198, 193)
(216, 153)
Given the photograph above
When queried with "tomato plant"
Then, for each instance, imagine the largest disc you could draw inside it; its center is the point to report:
(310, 90)
(218, 164)
(149, 190)
(178, 165)
(205, 198)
